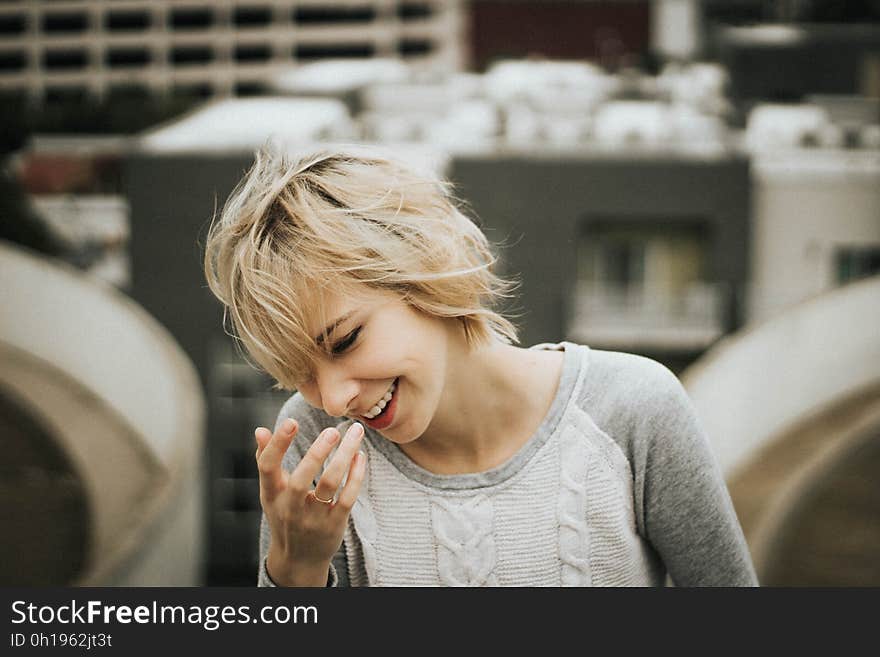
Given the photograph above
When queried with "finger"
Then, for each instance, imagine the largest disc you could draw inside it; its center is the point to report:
(269, 460)
(352, 487)
(262, 435)
(301, 478)
(331, 478)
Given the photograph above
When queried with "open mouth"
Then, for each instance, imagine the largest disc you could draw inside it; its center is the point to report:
(386, 408)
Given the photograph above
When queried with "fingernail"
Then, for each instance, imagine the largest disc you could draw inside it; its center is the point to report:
(331, 436)
(358, 428)
(288, 425)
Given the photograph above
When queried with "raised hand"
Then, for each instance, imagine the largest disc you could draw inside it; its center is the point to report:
(307, 525)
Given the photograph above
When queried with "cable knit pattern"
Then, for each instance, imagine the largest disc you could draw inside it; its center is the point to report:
(520, 532)
(465, 542)
(617, 549)
(574, 536)
(361, 535)
(399, 546)
(526, 536)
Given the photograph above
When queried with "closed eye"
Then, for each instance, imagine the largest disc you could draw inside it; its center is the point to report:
(346, 342)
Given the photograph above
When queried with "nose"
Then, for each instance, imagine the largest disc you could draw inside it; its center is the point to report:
(338, 390)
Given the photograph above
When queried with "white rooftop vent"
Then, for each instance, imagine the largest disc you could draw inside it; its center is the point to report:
(335, 76)
(248, 123)
(633, 123)
(770, 126)
(516, 80)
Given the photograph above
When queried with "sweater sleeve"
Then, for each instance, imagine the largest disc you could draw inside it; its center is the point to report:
(687, 513)
(310, 426)
(681, 502)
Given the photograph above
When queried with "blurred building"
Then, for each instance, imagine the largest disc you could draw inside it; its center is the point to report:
(204, 48)
(654, 209)
(612, 34)
(816, 223)
(652, 267)
(786, 61)
(74, 188)
(638, 218)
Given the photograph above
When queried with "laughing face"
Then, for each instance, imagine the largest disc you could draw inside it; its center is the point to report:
(386, 364)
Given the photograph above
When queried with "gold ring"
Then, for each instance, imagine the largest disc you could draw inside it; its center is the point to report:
(315, 495)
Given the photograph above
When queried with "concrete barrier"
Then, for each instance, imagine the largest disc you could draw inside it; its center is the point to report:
(753, 385)
(124, 403)
(785, 404)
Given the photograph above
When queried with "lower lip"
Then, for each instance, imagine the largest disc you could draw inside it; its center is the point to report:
(384, 420)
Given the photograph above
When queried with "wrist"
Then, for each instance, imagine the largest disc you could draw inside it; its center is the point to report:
(284, 571)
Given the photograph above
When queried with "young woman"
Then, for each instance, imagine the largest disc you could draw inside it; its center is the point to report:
(422, 447)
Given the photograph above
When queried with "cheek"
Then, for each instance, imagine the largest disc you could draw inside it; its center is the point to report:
(382, 358)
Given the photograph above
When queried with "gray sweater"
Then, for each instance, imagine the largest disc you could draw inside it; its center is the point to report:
(617, 487)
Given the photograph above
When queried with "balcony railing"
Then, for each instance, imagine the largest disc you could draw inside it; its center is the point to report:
(623, 317)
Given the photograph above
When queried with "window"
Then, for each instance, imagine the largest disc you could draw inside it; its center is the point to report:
(13, 24)
(414, 47)
(12, 61)
(646, 283)
(65, 23)
(252, 16)
(127, 21)
(124, 57)
(330, 51)
(56, 60)
(256, 52)
(619, 261)
(318, 15)
(192, 55)
(408, 11)
(191, 19)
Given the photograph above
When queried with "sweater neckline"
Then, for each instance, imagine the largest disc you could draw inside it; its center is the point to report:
(472, 480)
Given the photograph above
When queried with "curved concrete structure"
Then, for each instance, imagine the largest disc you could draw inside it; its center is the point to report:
(125, 406)
(809, 503)
(753, 385)
(787, 405)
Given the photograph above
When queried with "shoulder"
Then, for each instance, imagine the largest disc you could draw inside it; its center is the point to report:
(623, 381)
(633, 398)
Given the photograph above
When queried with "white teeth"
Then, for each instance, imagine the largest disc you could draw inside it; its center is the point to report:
(382, 403)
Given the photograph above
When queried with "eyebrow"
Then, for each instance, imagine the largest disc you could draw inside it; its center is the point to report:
(329, 330)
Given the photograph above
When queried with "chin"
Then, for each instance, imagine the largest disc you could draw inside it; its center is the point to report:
(396, 436)
(400, 435)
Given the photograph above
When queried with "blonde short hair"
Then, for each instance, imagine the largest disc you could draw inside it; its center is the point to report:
(340, 221)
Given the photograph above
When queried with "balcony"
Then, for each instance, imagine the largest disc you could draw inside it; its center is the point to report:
(615, 317)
